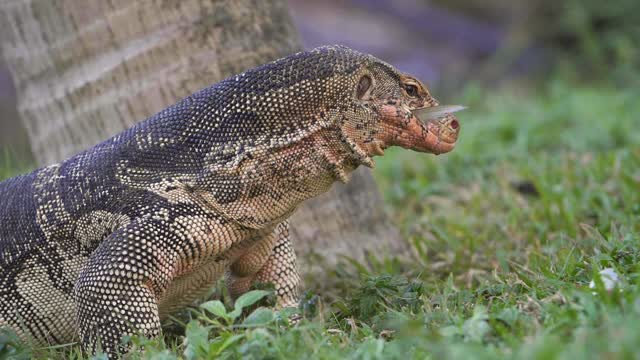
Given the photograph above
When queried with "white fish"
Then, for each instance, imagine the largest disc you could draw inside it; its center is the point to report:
(435, 112)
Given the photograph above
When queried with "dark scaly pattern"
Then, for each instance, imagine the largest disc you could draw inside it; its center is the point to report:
(112, 240)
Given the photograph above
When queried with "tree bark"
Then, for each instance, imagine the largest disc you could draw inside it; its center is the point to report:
(85, 70)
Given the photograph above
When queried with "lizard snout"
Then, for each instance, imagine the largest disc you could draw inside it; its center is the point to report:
(442, 133)
(433, 130)
(442, 125)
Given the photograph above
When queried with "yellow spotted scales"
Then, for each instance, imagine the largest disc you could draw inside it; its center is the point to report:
(116, 238)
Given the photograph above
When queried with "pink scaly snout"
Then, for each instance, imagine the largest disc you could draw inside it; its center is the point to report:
(437, 134)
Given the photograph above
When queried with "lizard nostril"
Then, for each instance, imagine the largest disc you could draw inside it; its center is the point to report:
(454, 124)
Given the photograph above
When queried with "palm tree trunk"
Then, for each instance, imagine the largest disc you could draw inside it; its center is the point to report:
(85, 70)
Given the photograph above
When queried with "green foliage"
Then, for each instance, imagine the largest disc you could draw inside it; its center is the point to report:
(8, 166)
(10, 346)
(541, 194)
(593, 39)
(379, 294)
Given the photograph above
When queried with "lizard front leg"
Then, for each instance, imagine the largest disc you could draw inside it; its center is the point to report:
(270, 260)
(116, 293)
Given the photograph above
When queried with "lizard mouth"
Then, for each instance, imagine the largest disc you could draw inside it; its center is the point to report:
(442, 126)
(430, 129)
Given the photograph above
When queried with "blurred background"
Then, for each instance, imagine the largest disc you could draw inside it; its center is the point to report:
(507, 231)
(456, 45)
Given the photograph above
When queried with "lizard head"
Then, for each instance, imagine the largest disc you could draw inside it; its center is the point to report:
(395, 109)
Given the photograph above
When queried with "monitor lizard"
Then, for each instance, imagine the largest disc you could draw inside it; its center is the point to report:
(112, 240)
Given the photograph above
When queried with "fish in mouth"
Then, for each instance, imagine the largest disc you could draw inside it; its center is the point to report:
(442, 126)
(430, 129)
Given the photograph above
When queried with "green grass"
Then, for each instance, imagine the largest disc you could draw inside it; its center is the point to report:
(542, 192)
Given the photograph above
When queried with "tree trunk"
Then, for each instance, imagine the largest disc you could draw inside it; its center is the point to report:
(85, 70)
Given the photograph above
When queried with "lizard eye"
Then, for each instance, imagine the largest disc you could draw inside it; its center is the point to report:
(411, 90)
(363, 85)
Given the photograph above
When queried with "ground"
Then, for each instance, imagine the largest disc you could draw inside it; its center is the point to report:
(541, 194)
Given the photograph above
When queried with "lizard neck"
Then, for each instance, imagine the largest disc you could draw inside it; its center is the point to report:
(264, 187)
(340, 153)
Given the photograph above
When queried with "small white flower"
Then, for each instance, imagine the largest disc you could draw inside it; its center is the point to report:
(609, 278)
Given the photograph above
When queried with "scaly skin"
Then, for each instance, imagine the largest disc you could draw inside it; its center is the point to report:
(114, 239)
